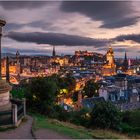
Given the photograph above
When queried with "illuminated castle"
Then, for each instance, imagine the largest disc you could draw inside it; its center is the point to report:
(110, 67)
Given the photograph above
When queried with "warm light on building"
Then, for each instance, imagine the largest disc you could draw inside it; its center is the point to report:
(110, 67)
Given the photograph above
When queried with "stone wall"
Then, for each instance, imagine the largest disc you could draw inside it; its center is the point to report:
(4, 98)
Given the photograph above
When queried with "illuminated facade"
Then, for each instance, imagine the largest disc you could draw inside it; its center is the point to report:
(110, 67)
(83, 53)
(62, 61)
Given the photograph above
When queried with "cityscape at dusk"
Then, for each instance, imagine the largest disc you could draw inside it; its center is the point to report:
(69, 70)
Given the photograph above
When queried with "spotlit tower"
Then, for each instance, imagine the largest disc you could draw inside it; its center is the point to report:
(110, 67)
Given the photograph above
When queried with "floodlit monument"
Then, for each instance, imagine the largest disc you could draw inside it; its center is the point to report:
(110, 67)
(4, 86)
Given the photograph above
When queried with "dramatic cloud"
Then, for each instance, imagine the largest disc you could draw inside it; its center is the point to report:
(35, 26)
(113, 14)
(27, 51)
(131, 37)
(56, 39)
(14, 26)
(13, 5)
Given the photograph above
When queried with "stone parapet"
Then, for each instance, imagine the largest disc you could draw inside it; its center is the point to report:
(4, 86)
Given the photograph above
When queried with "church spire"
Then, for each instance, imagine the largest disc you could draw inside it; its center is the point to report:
(125, 56)
(53, 53)
(125, 63)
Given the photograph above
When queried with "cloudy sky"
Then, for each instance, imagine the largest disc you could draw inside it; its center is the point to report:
(34, 27)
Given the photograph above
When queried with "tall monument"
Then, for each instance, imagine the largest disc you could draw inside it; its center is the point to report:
(110, 67)
(110, 56)
(4, 86)
(2, 23)
(18, 63)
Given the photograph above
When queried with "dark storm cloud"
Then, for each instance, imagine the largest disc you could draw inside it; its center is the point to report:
(13, 5)
(120, 49)
(40, 24)
(116, 49)
(13, 50)
(14, 26)
(56, 39)
(113, 14)
(133, 37)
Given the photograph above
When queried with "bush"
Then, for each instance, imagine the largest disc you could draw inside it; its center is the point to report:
(59, 113)
(41, 95)
(105, 115)
(131, 122)
(125, 128)
(18, 93)
(80, 117)
(76, 117)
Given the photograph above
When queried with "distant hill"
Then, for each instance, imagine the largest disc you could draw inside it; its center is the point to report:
(8, 54)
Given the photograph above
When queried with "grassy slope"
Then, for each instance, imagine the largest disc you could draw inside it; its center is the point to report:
(76, 132)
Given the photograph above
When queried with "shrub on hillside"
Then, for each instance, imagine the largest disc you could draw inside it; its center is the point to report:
(131, 122)
(125, 128)
(105, 115)
(41, 95)
(132, 118)
(81, 117)
(59, 113)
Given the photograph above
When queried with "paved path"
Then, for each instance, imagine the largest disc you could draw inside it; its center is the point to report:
(22, 132)
(49, 134)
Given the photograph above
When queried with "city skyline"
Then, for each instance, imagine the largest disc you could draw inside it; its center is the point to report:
(34, 27)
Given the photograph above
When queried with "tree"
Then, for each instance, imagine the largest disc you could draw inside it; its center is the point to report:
(41, 94)
(91, 89)
(65, 84)
(105, 115)
(75, 96)
(18, 93)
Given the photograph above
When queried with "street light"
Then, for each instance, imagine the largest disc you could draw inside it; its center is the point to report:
(2, 23)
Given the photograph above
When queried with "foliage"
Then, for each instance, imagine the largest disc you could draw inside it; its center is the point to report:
(81, 117)
(132, 118)
(77, 117)
(74, 131)
(91, 89)
(126, 128)
(105, 115)
(131, 122)
(65, 84)
(60, 127)
(75, 96)
(18, 93)
(59, 113)
(41, 94)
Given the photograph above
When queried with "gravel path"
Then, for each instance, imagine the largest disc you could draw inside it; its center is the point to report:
(22, 132)
(49, 134)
